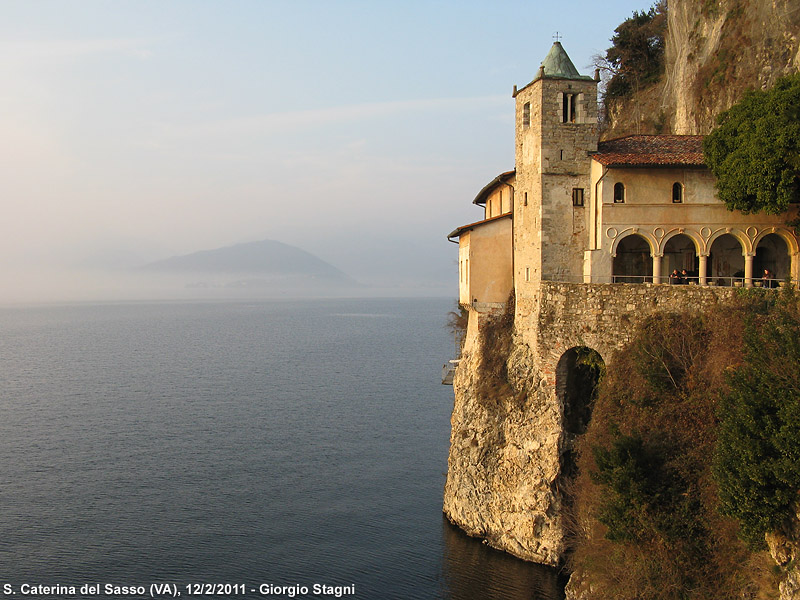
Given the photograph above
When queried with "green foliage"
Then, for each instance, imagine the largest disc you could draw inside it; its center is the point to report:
(754, 152)
(637, 54)
(593, 363)
(641, 495)
(757, 460)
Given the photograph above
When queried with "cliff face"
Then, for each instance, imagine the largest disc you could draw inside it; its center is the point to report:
(504, 448)
(715, 50)
(784, 547)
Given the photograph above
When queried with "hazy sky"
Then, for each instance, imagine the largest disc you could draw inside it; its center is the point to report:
(357, 130)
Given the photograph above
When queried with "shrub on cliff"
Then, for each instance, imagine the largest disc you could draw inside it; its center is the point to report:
(496, 335)
(457, 321)
(641, 495)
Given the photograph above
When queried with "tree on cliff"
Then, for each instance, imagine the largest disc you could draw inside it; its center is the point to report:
(754, 152)
(636, 56)
(757, 462)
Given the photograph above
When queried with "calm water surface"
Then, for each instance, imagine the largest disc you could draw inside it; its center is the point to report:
(286, 443)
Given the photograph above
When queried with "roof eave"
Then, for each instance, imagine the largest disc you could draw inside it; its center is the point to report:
(537, 78)
(502, 178)
(666, 165)
(459, 231)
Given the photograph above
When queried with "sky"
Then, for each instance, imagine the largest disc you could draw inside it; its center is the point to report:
(359, 131)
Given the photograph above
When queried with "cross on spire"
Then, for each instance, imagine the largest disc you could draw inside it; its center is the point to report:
(556, 36)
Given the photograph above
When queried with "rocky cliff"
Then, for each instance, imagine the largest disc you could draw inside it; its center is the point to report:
(715, 50)
(784, 547)
(503, 466)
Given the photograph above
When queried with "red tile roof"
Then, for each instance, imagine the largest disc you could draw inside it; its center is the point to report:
(651, 151)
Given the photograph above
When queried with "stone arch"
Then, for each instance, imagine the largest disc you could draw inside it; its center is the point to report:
(739, 235)
(726, 258)
(784, 234)
(680, 251)
(625, 233)
(774, 254)
(632, 262)
(578, 373)
(692, 235)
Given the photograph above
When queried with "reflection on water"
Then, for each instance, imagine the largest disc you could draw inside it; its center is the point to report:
(473, 571)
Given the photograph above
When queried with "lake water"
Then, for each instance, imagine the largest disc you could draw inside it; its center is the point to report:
(246, 443)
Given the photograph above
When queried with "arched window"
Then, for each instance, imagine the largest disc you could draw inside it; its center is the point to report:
(569, 107)
(526, 114)
(677, 193)
(619, 193)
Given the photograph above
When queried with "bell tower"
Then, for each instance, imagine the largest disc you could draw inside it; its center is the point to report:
(556, 129)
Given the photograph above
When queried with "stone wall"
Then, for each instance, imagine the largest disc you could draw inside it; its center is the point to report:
(551, 160)
(601, 316)
(504, 469)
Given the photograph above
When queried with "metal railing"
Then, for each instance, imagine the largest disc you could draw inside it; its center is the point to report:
(711, 281)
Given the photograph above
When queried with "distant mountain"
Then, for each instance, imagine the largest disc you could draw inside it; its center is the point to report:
(266, 262)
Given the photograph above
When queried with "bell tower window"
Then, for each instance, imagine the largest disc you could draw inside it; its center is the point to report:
(526, 114)
(569, 107)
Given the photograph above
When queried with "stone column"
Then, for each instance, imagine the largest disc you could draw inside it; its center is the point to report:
(748, 269)
(703, 273)
(657, 268)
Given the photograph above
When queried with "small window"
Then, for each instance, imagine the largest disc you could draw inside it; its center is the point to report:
(677, 193)
(527, 273)
(577, 196)
(525, 201)
(619, 193)
(526, 114)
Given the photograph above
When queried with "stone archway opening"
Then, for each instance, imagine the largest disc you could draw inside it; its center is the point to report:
(772, 254)
(680, 255)
(727, 260)
(578, 374)
(633, 262)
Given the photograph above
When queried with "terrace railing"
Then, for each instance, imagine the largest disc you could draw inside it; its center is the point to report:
(667, 280)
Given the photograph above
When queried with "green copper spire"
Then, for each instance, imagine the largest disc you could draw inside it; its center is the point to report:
(558, 64)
